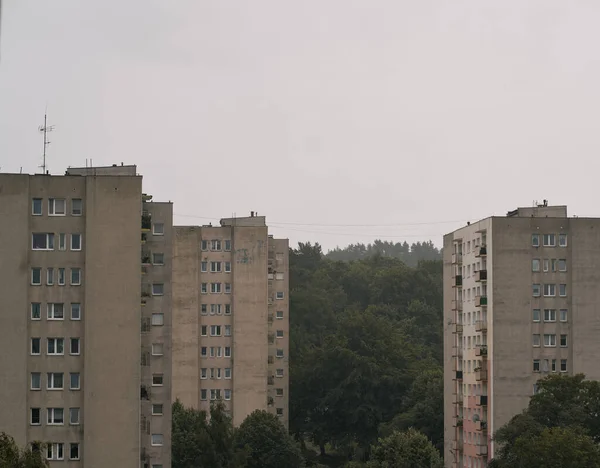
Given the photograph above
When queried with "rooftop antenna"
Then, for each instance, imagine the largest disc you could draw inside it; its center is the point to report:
(44, 129)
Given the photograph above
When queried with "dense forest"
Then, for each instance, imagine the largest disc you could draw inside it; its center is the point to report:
(411, 255)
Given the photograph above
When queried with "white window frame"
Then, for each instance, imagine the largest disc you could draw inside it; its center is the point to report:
(157, 409)
(562, 264)
(215, 245)
(76, 306)
(39, 416)
(204, 245)
(161, 287)
(38, 375)
(563, 361)
(35, 270)
(204, 309)
(55, 414)
(158, 378)
(56, 341)
(227, 267)
(76, 280)
(157, 440)
(279, 392)
(156, 318)
(536, 340)
(278, 316)
(62, 241)
(549, 290)
(204, 351)
(279, 373)
(74, 210)
(227, 245)
(204, 267)
(227, 331)
(550, 316)
(539, 365)
(227, 394)
(537, 312)
(49, 241)
(55, 451)
(279, 334)
(566, 345)
(565, 313)
(227, 309)
(279, 354)
(203, 330)
(203, 394)
(55, 311)
(54, 203)
(546, 266)
(215, 330)
(227, 288)
(562, 237)
(204, 373)
(74, 340)
(279, 295)
(216, 267)
(62, 276)
(227, 373)
(227, 351)
(158, 258)
(50, 381)
(74, 412)
(549, 240)
(71, 376)
(71, 445)
(203, 288)
(75, 236)
(535, 240)
(549, 340)
(158, 349)
(158, 229)
(279, 277)
(41, 205)
(49, 276)
(36, 309)
(219, 350)
(39, 342)
(215, 288)
(562, 290)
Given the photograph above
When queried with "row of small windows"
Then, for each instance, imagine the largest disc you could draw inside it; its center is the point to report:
(215, 330)
(46, 241)
(56, 274)
(215, 309)
(215, 351)
(55, 451)
(215, 373)
(55, 311)
(549, 264)
(216, 245)
(55, 381)
(55, 346)
(548, 365)
(56, 207)
(549, 290)
(55, 416)
(215, 394)
(549, 240)
(549, 340)
(214, 288)
(215, 267)
(550, 315)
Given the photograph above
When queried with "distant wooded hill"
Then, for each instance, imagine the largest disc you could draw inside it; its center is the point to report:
(411, 254)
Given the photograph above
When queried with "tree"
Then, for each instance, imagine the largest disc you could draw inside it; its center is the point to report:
(408, 449)
(11, 456)
(267, 443)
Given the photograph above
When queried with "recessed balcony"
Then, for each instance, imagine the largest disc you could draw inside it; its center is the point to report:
(456, 258)
(457, 328)
(481, 301)
(482, 252)
(481, 326)
(146, 221)
(481, 276)
(481, 351)
(481, 425)
(482, 450)
(481, 400)
(457, 281)
(457, 351)
(458, 375)
(481, 375)
(457, 305)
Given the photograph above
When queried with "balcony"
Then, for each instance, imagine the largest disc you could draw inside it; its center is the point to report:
(458, 375)
(457, 445)
(146, 259)
(457, 422)
(457, 328)
(457, 351)
(144, 237)
(481, 301)
(146, 221)
(481, 275)
(270, 380)
(481, 400)
(457, 281)
(481, 351)
(482, 252)
(458, 399)
(480, 375)
(457, 305)
(456, 258)
(481, 326)
(482, 450)
(481, 425)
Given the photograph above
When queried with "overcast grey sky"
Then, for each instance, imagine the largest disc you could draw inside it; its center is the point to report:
(419, 114)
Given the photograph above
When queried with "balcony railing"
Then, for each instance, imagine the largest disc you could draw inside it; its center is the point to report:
(481, 351)
(481, 275)
(481, 301)
(481, 326)
(482, 450)
(457, 281)
(457, 328)
(457, 305)
(481, 375)
(482, 400)
(457, 351)
(482, 252)
(457, 421)
(146, 221)
(146, 258)
(458, 399)
(456, 258)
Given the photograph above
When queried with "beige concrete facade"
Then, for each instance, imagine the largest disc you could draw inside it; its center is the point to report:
(230, 317)
(70, 327)
(520, 302)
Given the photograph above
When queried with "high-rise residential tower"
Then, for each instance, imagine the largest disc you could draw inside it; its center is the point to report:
(521, 301)
(85, 317)
(231, 317)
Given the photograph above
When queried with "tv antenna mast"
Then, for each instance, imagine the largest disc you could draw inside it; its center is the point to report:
(45, 129)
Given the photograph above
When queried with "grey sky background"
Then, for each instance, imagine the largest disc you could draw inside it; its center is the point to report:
(406, 117)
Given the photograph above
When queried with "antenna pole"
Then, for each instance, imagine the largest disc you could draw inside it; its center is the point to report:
(45, 129)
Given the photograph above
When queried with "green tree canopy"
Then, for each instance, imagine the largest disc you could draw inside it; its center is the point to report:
(12, 456)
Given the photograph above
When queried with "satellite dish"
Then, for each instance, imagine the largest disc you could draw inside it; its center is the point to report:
(475, 417)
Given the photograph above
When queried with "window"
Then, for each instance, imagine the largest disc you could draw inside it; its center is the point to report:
(546, 264)
(157, 380)
(227, 373)
(215, 288)
(76, 207)
(554, 263)
(75, 276)
(56, 416)
(203, 394)
(536, 365)
(204, 330)
(158, 320)
(36, 207)
(36, 381)
(279, 372)
(157, 409)
(279, 411)
(75, 311)
(75, 346)
(35, 346)
(227, 267)
(227, 351)
(55, 451)
(35, 417)
(549, 340)
(227, 330)
(57, 207)
(279, 353)
(158, 229)
(203, 267)
(56, 346)
(158, 258)
(61, 277)
(203, 351)
(74, 381)
(36, 276)
(227, 309)
(227, 394)
(204, 288)
(279, 295)
(562, 240)
(536, 290)
(55, 381)
(215, 330)
(219, 349)
(553, 368)
(279, 334)
(563, 365)
(562, 264)
(215, 309)
(73, 451)
(215, 244)
(36, 311)
(563, 315)
(49, 276)
(215, 267)
(227, 245)
(535, 240)
(157, 349)
(204, 373)
(74, 416)
(549, 315)
(279, 314)
(227, 288)
(279, 276)
(549, 290)
(158, 289)
(562, 290)
(549, 240)
(56, 311)
(157, 439)
(62, 241)
(563, 341)
(204, 245)
(75, 241)
(279, 391)
(536, 315)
